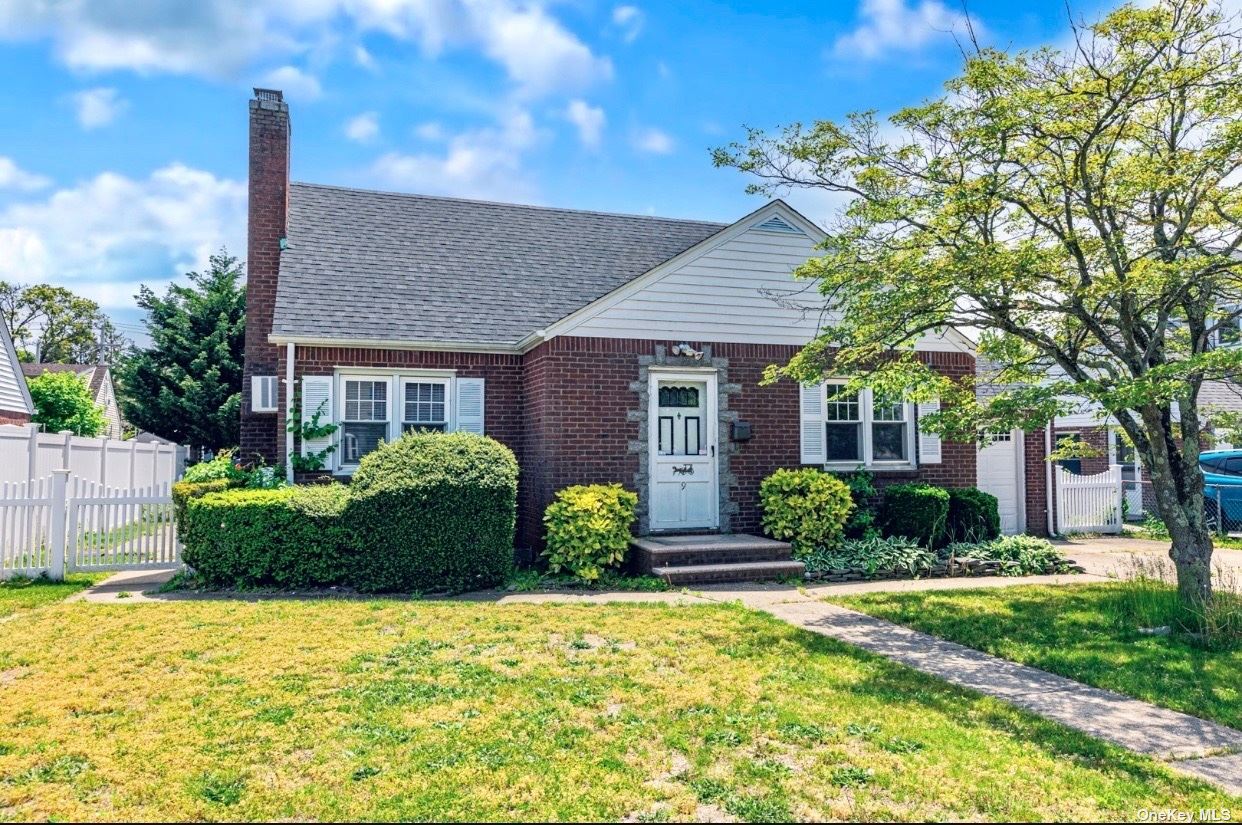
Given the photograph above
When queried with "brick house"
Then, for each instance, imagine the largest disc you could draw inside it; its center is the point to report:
(15, 404)
(599, 347)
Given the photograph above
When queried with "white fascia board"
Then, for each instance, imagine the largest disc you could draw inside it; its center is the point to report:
(375, 343)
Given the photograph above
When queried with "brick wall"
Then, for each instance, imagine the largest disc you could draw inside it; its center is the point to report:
(1036, 470)
(266, 225)
(568, 409)
(18, 418)
(580, 395)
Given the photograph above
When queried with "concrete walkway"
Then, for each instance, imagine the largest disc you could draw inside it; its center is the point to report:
(1193, 746)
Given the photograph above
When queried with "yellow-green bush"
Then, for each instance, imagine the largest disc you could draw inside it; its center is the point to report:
(589, 529)
(807, 507)
(183, 491)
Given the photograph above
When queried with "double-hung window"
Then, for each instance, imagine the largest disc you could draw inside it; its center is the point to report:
(364, 423)
(890, 437)
(843, 422)
(858, 428)
(424, 404)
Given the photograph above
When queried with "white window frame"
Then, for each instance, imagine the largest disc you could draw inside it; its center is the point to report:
(446, 383)
(396, 380)
(866, 405)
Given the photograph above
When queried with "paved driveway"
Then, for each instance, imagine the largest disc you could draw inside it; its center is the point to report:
(1117, 556)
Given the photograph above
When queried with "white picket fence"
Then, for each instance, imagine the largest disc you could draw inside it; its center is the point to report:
(1089, 504)
(59, 524)
(27, 454)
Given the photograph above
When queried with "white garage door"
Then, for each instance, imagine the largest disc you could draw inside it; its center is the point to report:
(998, 475)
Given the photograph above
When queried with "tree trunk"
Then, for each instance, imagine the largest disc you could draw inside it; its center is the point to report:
(1179, 500)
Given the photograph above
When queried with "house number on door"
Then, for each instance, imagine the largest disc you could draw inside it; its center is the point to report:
(683, 469)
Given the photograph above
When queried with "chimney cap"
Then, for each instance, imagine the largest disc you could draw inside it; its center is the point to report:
(268, 94)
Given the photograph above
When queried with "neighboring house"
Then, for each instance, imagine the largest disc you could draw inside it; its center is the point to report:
(1012, 465)
(98, 378)
(599, 347)
(15, 404)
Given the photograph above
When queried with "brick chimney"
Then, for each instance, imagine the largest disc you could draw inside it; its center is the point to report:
(262, 433)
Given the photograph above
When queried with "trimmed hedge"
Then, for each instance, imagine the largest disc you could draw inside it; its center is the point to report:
(917, 511)
(434, 511)
(973, 515)
(808, 507)
(589, 529)
(183, 491)
(289, 537)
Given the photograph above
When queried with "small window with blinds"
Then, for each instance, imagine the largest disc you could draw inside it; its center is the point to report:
(264, 396)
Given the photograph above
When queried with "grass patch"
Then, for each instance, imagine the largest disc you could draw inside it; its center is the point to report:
(386, 710)
(19, 594)
(1088, 632)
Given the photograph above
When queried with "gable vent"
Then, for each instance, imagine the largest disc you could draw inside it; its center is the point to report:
(776, 224)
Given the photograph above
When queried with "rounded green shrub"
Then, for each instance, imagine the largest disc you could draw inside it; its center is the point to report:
(183, 491)
(973, 515)
(588, 529)
(289, 537)
(806, 507)
(433, 511)
(917, 511)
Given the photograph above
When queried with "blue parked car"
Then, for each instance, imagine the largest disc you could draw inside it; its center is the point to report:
(1222, 477)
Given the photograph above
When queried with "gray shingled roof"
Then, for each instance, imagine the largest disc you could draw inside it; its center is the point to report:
(382, 266)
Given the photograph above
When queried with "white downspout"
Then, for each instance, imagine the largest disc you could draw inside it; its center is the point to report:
(289, 387)
(1048, 477)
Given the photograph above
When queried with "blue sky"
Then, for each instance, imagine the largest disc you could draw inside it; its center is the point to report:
(123, 122)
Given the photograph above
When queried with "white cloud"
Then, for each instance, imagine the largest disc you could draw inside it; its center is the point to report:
(98, 107)
(629, 19)
(362, 128)
(294, 82)
(894, 25)
(103, 236)
(225, 38)
(589, 121)
(652, 141)
(365, 59)
(13, 176)
(478, 163)
(431, 131)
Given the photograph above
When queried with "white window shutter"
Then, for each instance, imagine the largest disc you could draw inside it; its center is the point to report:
(929, 443)
(814, 451)
(317, 398)
(470, 405)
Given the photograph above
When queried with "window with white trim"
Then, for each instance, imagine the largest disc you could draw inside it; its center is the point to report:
(843, 424)
(890, 438)
(364, 422)
(861, 430)
(424, 404)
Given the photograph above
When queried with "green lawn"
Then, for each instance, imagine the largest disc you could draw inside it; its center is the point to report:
(23, 594)
(1070, 630)
(389, 710)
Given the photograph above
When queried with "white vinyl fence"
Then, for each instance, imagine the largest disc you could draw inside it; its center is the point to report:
(27, 455)
(100, 505)
(1089, 503)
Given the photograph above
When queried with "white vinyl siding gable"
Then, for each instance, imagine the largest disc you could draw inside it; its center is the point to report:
(14, 397)
(742, 290)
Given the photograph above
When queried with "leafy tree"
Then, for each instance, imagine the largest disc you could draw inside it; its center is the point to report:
(63, 401)
(186, 386)
(1078, 207)
(51, 324)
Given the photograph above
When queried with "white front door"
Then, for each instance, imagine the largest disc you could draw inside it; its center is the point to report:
(682, 438)
(998, 474)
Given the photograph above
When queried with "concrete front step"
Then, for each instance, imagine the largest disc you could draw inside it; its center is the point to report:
(651, 552)
(735, 572)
